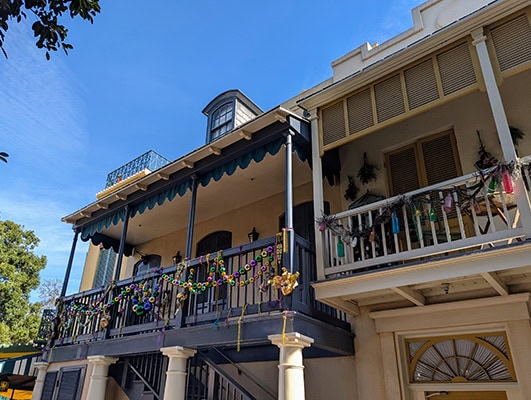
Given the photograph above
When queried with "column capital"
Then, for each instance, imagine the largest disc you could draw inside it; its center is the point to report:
(101, 360)
(41, 365)
(178, 352)
(478, 35)
(293, 339)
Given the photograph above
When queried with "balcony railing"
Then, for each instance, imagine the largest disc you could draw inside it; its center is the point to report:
(158, 300)
(150, 160)
(468, 212)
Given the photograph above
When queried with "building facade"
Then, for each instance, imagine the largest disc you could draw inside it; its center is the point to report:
(367, 239)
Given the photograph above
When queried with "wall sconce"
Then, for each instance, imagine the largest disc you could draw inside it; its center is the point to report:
(177, 258)
(253, 235)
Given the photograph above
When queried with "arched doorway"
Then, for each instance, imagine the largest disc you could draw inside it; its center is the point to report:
(211, 244)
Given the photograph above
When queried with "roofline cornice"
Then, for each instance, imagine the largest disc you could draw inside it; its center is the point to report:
(404, 56)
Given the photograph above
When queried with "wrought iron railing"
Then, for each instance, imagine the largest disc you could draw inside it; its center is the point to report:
(150, 160)
(467, 212)
(209, 289)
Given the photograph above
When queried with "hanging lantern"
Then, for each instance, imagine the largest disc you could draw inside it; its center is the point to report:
(448, 202)
(492, 185)
(395, 223)
(340, 247)
(433, 214)
(507, 182)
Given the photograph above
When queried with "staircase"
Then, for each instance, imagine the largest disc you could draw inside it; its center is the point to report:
(142, 377)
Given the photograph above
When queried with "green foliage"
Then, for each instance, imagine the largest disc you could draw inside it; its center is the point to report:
(3, 156)
(50, 33)
(19, 275)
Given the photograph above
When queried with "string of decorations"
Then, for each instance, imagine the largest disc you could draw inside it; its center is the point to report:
(423, 205)
(145, 296)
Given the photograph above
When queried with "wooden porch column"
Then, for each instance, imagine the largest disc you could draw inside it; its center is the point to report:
(99, 376)
(175, 388)
(42, 367)
(290, 366)
(318, 197)
(70, 262)
(502, 126)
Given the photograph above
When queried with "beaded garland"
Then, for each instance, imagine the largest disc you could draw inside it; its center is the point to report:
(218, 276)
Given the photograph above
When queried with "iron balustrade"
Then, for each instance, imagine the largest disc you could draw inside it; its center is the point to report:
(86, 317)
(150, 160)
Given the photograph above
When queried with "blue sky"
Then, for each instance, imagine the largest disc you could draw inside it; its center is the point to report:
(138, 79)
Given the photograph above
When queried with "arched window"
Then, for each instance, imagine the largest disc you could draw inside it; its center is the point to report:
(461, 358)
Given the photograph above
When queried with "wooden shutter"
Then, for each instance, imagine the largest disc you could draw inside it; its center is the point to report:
(359, 108)
(426, 162)
(403, 171)
(439, 158)
(512, 42)
(69, 384)
(49, 385)
(333, 119)
(421, 84)
(389, 98)
(456, 69)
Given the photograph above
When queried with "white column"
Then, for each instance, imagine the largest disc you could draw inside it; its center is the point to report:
(42, 367)
(290, 367)
(175, 388)
(318, 196)
(519, 337)
(99, 376)
(502, 126)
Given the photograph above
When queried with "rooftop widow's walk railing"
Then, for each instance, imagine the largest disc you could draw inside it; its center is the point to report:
(470, 211)
(150, 160)
(207, 290)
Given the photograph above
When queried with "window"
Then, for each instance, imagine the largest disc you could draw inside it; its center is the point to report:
(427, 161)
(105, 267)
(65, 384)
(222, 121)
(147, 262)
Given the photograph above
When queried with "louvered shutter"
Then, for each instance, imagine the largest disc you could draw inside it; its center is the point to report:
(439, 159)
(333, 123)
(512, 42)
(456, 69)
(69, 387)
(389, 98)
(49, 386)
(359, 108)
(403, 174)
(421, 85)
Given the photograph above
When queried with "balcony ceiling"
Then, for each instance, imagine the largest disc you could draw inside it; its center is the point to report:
(495, 272)
(244, 187)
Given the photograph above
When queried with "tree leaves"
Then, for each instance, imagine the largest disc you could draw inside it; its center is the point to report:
(3, 156)
(19, 275)
(51, 35)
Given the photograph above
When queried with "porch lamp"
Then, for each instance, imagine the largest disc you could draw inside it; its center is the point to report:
(253, 235)
(177, 258)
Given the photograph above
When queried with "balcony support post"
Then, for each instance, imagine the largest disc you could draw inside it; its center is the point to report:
(121, 248)
(318, 197)
(42, 368)
(191, 218)
(175, 388)
(502, 125)
(289, 201)
(70, 262)
(99, 376)
(290, 366)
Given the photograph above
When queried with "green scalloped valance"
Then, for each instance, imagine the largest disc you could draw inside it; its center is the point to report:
(242, 162)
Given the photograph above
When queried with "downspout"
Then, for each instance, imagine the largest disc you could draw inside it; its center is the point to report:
(70, 262)
(122, 245)
(191, 218)
(289, 202)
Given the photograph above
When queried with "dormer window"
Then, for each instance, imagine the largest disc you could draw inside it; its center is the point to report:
(222, 121)
(227, 112)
